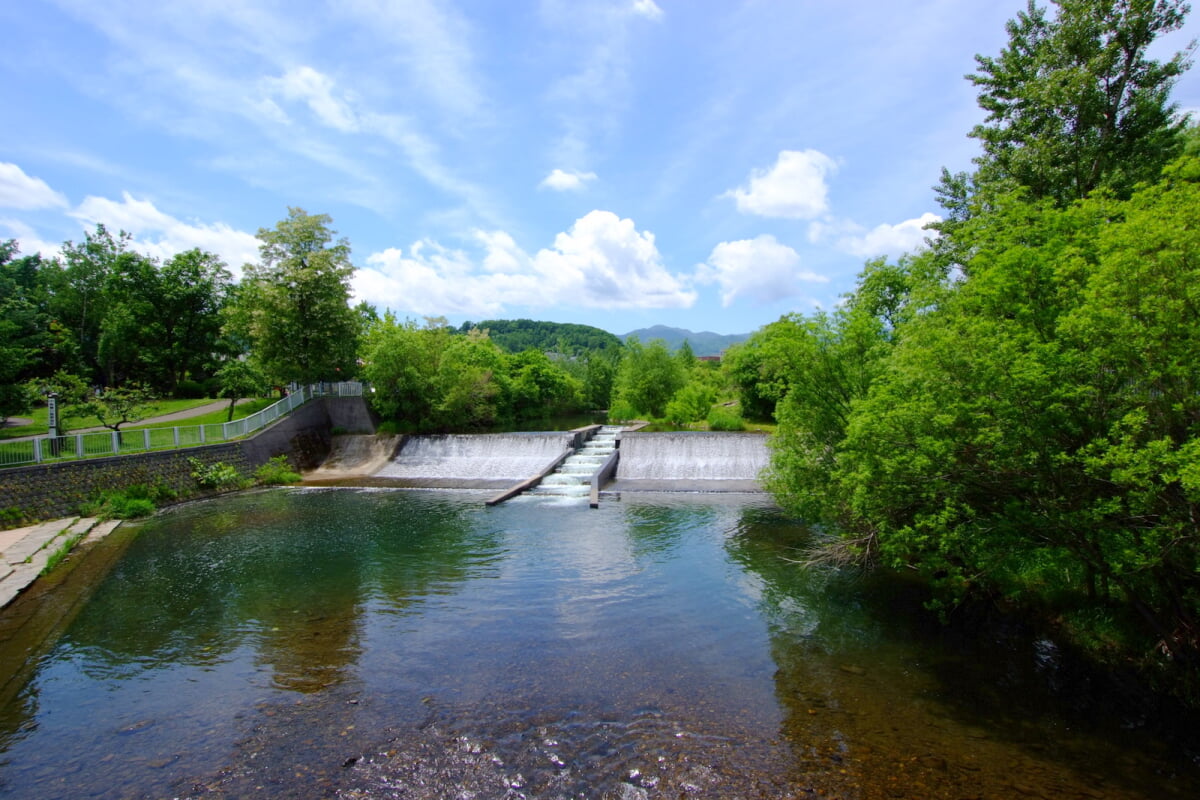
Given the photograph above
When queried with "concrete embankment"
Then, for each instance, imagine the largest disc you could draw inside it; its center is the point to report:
(25, 552)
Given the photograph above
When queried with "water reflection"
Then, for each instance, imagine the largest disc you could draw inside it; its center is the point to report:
(373, 644)
(883, 701)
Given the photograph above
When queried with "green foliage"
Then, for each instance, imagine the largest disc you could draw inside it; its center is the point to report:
(646, 380)
(293, 306)
(11, 517)
(564, 338)
(119, 406)
(1073, 101)
(427, 379)
(725, 418)
(1029, 430)
(217, 476)
(128, 503)
(277, 471)
(690, 404)
(240, 378)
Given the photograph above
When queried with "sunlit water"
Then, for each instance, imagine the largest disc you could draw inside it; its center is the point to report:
(357, 643)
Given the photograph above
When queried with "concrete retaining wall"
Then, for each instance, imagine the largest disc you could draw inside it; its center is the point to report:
(47, 491)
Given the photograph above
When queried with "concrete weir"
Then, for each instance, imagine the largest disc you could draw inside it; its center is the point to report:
(581, 463)
(690, 461)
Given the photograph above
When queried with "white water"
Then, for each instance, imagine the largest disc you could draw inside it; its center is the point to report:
(692, 456)
(485, 456)
(574, 476)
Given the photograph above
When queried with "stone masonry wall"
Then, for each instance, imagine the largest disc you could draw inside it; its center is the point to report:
(46, 491)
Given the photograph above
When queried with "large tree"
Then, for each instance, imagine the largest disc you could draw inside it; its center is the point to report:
(1074, 102)
(295, 301)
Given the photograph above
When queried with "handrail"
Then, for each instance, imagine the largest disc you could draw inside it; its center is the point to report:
(42, 449)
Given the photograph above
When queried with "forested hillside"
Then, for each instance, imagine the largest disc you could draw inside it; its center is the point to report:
(566, 338)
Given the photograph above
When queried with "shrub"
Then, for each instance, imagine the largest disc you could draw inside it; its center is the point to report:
(120, 504)
(218, 476)
(11, 517)
(725, 418)
(190, 390)
(277, 471)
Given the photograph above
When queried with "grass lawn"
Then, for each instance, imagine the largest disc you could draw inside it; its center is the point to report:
(40, 417)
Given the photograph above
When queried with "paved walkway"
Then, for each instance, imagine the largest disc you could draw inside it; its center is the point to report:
(24, 552)
(177, 416)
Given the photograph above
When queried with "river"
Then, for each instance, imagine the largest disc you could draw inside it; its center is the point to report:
(362, 643)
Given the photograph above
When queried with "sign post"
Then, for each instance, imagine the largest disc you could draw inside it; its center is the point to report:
(52, 407)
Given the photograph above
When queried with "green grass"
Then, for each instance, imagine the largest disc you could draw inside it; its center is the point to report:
(40, 417)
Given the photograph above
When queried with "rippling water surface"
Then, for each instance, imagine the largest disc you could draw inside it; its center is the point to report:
(371, 644)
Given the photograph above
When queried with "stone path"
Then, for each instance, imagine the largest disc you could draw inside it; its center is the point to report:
(24, 552)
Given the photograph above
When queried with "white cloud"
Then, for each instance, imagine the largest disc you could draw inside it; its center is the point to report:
(762, 269)
(28, 239)
(18, 190)
(889, 240)
(162, 236)
(794, 187)
(561, 181)
(601, 262)
(648, 9)
(305, 84)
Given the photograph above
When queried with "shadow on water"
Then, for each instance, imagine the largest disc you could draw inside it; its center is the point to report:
(883, 697)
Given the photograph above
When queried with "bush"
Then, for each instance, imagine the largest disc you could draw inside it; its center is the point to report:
(120, 504)
(725, 418)
(190, 390)
(218, 476)
(277, 471)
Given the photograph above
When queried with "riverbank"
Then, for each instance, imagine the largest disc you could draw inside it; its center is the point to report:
(25, 553)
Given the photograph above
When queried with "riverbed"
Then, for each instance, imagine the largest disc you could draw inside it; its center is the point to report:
(363, 643)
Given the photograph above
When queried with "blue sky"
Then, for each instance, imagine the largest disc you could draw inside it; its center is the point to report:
(618, 163)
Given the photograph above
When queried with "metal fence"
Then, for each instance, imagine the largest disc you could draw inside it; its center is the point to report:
(42, 449)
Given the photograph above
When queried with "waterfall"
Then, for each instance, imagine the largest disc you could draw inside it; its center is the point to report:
(356, 455)
(692, 456)
(490, 456)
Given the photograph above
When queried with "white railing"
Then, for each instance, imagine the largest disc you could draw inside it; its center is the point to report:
(40, 449)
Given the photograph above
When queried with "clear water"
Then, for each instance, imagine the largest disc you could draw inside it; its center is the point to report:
(416, 644)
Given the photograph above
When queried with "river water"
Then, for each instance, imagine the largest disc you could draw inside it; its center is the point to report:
(361, 643)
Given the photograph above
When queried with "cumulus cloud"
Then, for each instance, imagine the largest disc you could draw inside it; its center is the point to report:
(161, 236)
(762, 269)
(793, 188)
(21, 191)
(602, 261)
(561, 181)
(886, 240)
(648, 9)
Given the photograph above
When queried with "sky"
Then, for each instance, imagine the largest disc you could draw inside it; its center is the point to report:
(703, 164)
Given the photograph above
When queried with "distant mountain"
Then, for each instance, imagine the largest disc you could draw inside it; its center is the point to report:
(705, 343)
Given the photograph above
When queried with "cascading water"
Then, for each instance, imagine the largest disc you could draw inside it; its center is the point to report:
(508, 456)
(692, 456)
(573, 477)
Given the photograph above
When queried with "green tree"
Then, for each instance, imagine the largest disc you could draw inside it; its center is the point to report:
(401, 362)
(240, 378)
(646, 379)
(1074, 102)
(295, 302)
(539, 387)
(119, 406)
